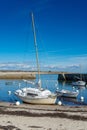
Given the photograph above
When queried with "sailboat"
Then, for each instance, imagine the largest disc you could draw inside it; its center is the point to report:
(80, 82)
(36, 95)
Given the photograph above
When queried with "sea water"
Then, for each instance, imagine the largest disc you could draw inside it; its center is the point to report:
(8, 87)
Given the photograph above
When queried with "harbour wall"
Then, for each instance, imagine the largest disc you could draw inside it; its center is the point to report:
(72, 77)
(62, 76)
(17, 75)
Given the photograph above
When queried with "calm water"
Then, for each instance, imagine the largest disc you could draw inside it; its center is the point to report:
(48, 81)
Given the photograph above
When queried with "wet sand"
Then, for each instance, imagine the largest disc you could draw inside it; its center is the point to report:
(42, 117)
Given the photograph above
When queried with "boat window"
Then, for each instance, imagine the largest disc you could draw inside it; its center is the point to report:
(31, 94)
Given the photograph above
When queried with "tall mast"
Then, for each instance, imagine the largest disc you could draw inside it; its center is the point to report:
(35, 43)
(80, 72)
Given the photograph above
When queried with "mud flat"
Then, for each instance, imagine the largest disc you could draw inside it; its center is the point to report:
(42, 117)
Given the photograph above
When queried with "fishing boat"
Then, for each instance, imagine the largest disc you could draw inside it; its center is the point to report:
(36, 95)
(67, 93)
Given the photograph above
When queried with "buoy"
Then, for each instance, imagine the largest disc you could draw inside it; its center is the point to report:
(9, 92)
(57, 88)
(17, 103)
(60, 103)
(73, 87)
(82, 98)
(77, 90)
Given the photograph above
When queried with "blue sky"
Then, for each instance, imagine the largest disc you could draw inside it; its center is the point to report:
(61, 29)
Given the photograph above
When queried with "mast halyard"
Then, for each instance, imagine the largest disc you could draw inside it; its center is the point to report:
(35, 43)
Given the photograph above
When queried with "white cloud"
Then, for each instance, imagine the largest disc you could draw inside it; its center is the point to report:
(69, 64)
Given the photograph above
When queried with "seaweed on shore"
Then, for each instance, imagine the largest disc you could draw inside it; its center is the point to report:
(51, 115)
(9, 127)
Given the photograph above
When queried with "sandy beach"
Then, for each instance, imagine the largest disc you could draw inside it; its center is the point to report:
(42, 117)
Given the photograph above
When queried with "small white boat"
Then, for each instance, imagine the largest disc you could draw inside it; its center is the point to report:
(79, 83)
(67, 93)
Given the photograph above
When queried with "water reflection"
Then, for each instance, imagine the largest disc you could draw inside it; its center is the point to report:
(71, 101)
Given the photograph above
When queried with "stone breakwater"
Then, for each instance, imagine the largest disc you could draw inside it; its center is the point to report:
(22, 74)
(72, 77)
(17, 75)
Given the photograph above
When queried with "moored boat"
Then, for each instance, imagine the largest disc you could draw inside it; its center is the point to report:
(79, 83)
(36, 95)
(67, 93)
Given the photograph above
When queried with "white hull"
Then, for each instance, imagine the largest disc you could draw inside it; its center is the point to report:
(79, 83)
(36, 96)
(43, 101)
(66, 93)
(70, 95)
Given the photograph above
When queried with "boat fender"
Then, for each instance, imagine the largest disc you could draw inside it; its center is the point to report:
(17, 103)
(82, 98)
(60, 103)
(9, 92)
